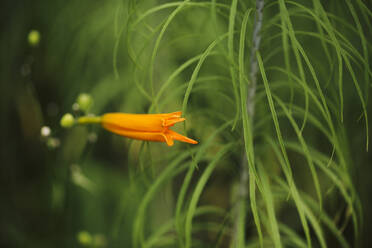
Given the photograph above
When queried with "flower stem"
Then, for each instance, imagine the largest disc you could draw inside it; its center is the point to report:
(240, 214)
(254, 65)
(89, 119)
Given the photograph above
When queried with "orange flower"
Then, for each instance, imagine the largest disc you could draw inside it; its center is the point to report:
(151, 127)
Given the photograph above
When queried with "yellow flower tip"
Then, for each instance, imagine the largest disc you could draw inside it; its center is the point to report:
(34, 38)
(151, 127)
(67, 120)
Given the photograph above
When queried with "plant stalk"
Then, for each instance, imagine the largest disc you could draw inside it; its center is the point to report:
(89, 119)
(240, 214)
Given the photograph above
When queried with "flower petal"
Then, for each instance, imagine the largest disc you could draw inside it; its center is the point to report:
(168, 139)
(150, 136)
(170, 122)
(142, 122)
(180, 137)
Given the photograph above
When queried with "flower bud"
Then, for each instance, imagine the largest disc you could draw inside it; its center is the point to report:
(45, 131)
(84, 238)
(67, 121)
(34, 38)
(85, 101)
(99, 240)
(53, 143)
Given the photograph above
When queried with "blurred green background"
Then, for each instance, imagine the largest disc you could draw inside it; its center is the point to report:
(82, 187)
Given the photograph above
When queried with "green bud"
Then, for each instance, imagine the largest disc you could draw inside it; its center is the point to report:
(34, 38)
(99, 240)
(67, 120)
(85, 101)
(53, 143)
(84, 238)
